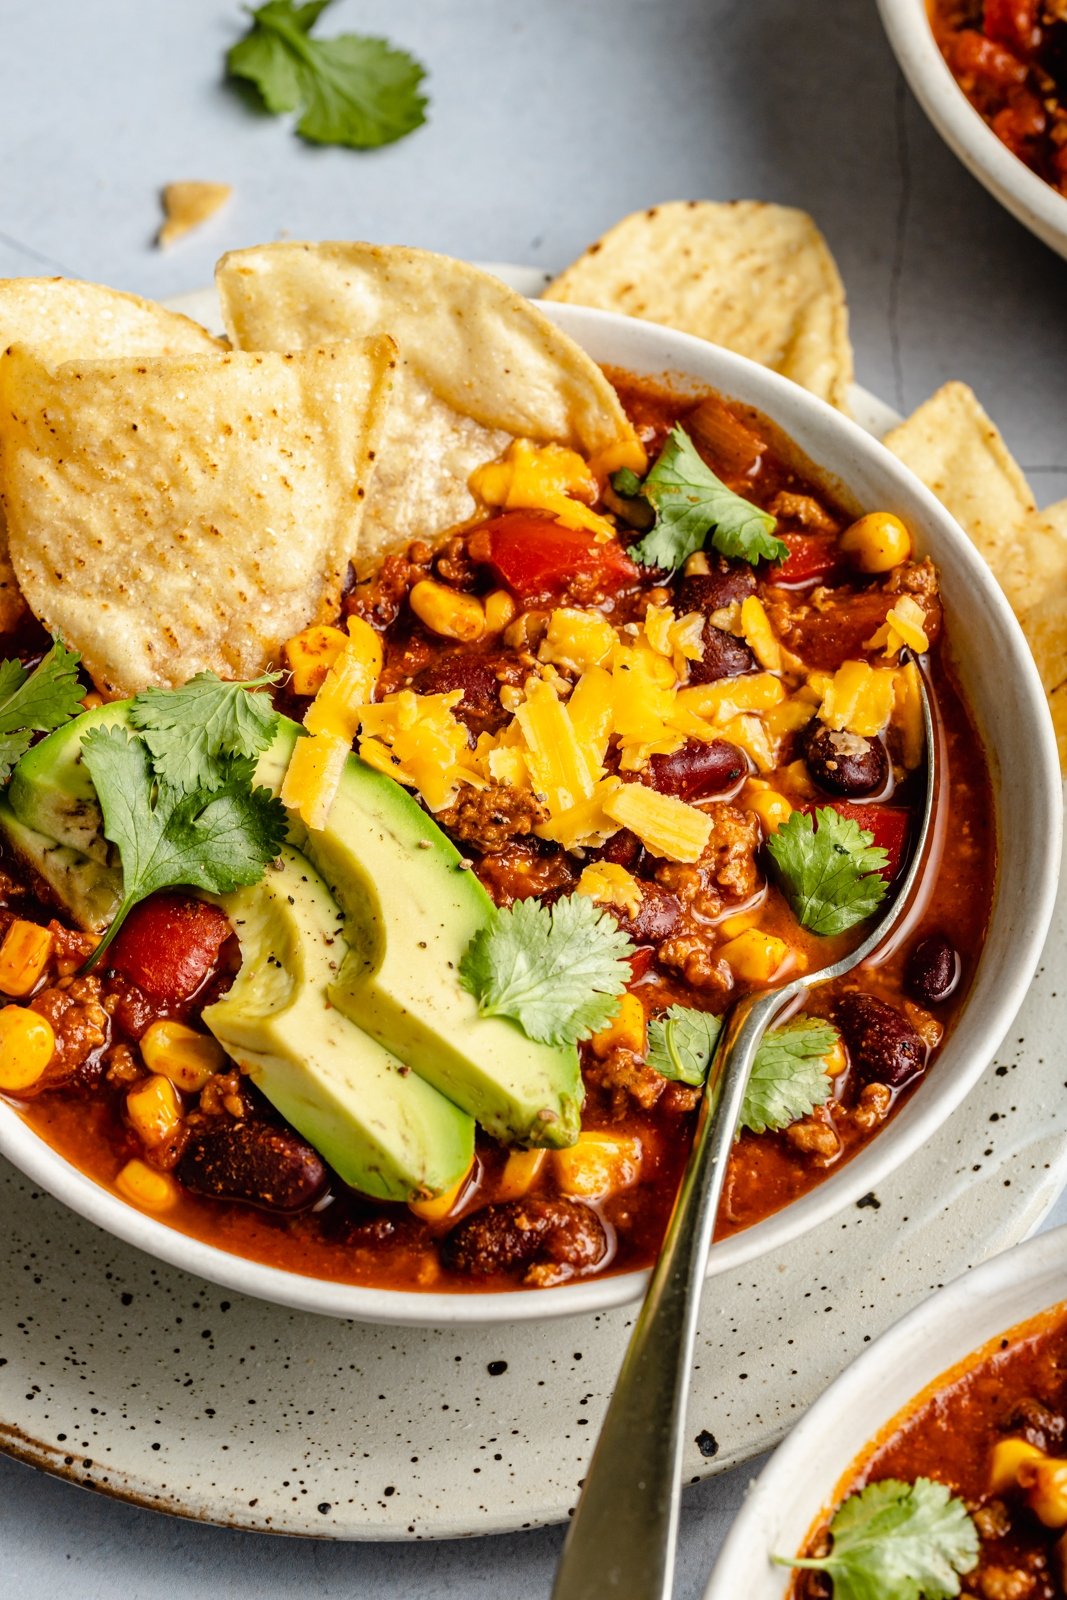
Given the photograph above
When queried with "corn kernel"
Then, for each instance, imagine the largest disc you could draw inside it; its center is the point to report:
(730, 927)
(147, 1188)
(625, 1031)
(598, 1164)
(770, 807)
(1008, 1456)
(500, 609)
(520, 1173)
(438, 1206)
(27, 1045)
(754, 956)
(154, 1110)
(181, 1054)
(311, 654)
(443, 611)
(1045, 1485)
(878, 541)
(23, 956)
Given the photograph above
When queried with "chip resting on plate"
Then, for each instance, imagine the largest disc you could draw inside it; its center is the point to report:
(755, 277)
(958, 452)
(479, 366)
(174, 514)
(66, 320)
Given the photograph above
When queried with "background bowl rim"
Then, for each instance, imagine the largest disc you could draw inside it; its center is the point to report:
(1032, 201)
(777, 397)
(989, 1286)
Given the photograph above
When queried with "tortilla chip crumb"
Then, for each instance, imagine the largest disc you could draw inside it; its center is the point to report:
(186, 205)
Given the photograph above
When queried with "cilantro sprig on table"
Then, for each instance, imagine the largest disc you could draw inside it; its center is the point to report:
(351, 90)
(694, 507)
(897, 1541)
(829, 869)
(36, 702)
(555, 970)
(789, 1078)
(178, 797)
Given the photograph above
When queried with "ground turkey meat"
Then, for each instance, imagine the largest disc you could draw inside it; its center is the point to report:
(727, 865)
(490, 818)
(80, 1025)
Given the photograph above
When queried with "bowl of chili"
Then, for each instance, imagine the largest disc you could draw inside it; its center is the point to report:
(952, 1428)
(992, 78)
(998, 706)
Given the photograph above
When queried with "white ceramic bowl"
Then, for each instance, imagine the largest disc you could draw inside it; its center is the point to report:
(1029, 198)
(1005, 695)
(797, 1485)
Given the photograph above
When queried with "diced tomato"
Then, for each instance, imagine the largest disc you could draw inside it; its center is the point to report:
(839, 630)
(640, 962)
(811, 556)
(169, 946)
(538, 558)
(984, 62)
(1012, 23)
(890, 826)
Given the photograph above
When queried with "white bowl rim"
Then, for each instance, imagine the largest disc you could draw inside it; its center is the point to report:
(989, 1286)
(1032, 201)
(654, 349)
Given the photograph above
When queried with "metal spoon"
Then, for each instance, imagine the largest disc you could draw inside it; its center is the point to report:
(621, 1544)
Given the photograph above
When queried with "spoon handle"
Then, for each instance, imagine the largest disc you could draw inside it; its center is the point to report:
(622, 1540)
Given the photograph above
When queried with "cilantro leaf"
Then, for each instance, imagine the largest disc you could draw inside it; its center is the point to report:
(192, 730)
(626, 483)
(208, 839)
(691, 502)
(831, 874)
(557, 971)
(353, 90)
(789, 1077)
(898, 1541)
(37, 701)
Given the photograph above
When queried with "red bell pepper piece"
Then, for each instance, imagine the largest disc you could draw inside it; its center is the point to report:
(1012, 23)
(169, 946)
(811, 556)
(538, 557)
(890, 826)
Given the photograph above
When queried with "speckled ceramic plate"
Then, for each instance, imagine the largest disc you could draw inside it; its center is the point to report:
(138, 1380)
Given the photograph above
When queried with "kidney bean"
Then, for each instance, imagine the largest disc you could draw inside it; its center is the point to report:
(657, 917)
(844, 763)
(697, 769)
(933, 970)
(883, 1046)
(266, 1166)
(512, 1234)
(709, 591)
(623, 849)
(724, 657)
(476, 675)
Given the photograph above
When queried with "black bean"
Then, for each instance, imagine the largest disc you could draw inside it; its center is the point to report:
(729, 583)
(269, 1167)
(844, 763)
(724, 657)
(883, 1046)
(933, 970)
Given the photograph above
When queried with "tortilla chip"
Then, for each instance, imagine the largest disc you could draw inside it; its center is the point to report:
(187, 205)
(480, 365)
(65, 320)
(170, 515)
(951, 444)
(754, 277)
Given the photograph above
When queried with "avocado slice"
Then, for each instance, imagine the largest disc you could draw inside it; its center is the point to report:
(90, 889)
(51, 790)
(380, 1126)
(411, 909)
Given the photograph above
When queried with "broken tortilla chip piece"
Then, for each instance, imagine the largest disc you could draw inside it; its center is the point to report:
(171, 515)
(66, 320)
(958, 452)
(186, 205)
(754, 277)
(480, 366)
